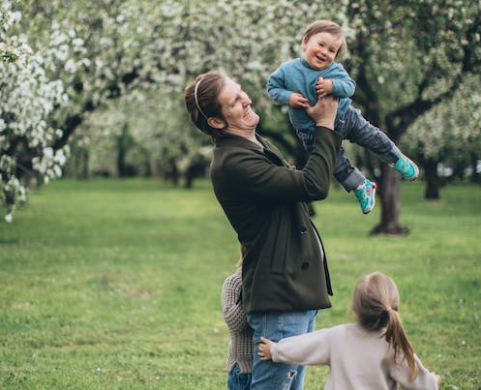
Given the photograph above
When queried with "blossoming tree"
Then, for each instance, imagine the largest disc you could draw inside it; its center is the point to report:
(27, 98)
(406, 57)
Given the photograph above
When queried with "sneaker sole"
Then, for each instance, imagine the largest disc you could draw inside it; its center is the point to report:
(412, 178)
(367, 211)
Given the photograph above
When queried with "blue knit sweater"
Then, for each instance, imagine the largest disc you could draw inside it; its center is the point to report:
(297, 76)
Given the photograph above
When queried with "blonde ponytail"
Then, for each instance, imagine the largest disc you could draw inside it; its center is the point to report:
(397, 339)
(376, 302)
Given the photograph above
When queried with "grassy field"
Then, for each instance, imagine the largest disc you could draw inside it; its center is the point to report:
(116, 284)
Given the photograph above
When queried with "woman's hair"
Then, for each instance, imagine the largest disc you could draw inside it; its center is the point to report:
(376, 304)
(326, 26)
(202, 103)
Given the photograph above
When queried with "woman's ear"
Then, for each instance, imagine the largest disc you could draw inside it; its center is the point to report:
(216, 123)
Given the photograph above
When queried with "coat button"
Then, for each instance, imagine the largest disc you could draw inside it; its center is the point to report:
(305, 265)
(303, 230)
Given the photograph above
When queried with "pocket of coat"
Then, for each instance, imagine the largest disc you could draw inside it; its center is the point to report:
(278, 264)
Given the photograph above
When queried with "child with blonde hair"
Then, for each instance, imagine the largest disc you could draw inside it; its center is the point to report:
(300, 82)
(372, 353)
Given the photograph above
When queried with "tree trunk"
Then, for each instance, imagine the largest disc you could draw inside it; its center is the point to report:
(189, 178)
(85, 158)
(175, 173)
(474, 165)
(122, 151)
(390, 195)
(430, 168)
(194, 171)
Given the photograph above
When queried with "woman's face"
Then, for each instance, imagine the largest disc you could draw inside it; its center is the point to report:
(236, 107)
(321, 49)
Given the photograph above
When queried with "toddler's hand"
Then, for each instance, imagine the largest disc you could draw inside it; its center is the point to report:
(324, 86)
(265, 349)
(297, 100)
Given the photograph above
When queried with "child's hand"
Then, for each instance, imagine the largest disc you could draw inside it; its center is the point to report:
(265, 349)
(324, 86)
(298, 100)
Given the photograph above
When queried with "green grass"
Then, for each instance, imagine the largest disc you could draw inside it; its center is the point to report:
(116, 284)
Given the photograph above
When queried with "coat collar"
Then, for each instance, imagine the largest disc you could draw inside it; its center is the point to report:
(235, 141)
(230, 140)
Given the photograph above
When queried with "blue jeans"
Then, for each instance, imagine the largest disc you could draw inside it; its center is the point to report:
(267, 375)
(238, 381)
(355, 128)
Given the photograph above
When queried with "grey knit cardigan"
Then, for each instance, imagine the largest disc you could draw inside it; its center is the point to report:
(241, 343)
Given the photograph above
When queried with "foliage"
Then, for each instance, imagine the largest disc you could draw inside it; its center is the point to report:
(116, 284)
(450, 130)
(160, 134)
(406, 57)
(27, 98)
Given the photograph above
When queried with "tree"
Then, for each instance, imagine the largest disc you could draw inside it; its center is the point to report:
(408, 57)
(83, 55)
(449, 132)
(28, 96)
(159, 136)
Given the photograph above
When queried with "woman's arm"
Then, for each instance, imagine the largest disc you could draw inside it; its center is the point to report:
(261, 175)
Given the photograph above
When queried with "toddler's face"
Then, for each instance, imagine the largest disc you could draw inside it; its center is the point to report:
(320, 50)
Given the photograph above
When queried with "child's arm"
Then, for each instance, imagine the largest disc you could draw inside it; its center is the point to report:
(265, 349)
(336, 82)
(232, 310)
(324, 86)
(425, 380)
(276, 89)
(307, 349)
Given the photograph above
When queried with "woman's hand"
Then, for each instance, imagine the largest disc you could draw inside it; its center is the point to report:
(324, 112)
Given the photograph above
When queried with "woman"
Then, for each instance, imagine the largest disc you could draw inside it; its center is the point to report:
(285, 279)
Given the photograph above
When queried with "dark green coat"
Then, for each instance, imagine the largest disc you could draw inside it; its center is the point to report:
(265, 199)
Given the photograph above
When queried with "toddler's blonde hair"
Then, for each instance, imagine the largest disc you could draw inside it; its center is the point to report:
(376, 304)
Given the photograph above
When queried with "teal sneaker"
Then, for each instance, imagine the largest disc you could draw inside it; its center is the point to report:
(366, 196)
(408, 169)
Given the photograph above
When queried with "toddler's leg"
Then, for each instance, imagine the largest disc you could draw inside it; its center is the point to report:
(352, 179)
(356, 128)
(408, 169)
(307, 139)
(345, 173)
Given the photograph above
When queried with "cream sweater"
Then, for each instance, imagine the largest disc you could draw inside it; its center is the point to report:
(358, 359)
(241, 350)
